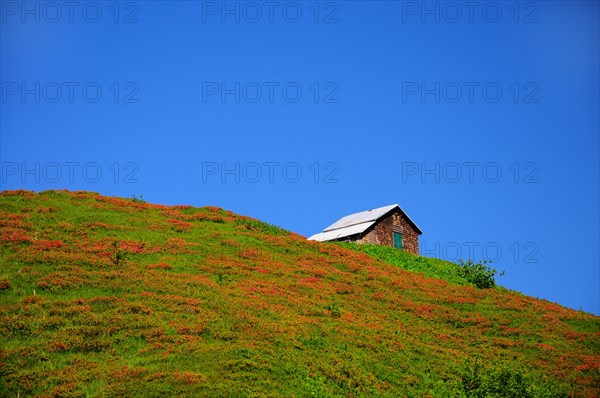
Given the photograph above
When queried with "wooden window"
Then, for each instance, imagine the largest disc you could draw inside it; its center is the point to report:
(398, 240)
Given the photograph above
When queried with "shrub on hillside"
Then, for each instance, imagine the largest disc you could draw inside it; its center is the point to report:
(478, 274)
(504, 382)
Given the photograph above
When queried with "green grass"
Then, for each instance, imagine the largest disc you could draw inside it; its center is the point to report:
(105, 297)
(431, 267)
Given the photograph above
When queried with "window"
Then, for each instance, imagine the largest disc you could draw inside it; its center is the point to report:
(398, 240)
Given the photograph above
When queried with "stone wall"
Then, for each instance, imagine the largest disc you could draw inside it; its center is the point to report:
(382, 233)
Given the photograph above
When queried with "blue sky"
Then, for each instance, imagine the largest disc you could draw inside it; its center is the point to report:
(481, 121)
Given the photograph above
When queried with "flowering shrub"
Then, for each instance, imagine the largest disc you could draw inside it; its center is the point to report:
(13, 235)
(189, 377)
(44, 244)
(132, 247)
(159, 266)
(216, 218)
(180, 226)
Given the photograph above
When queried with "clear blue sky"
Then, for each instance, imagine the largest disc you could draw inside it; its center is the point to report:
(481, 121)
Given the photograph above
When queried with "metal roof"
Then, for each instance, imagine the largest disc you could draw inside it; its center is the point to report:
(363, 216)
(357, 223)
(342, 232)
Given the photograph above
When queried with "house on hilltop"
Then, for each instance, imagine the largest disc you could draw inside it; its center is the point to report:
(388, 225)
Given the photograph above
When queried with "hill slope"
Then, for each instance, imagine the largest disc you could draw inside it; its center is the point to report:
(104, 296)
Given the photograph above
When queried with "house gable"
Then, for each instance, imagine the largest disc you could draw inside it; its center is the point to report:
(375, 226)
(382, 232)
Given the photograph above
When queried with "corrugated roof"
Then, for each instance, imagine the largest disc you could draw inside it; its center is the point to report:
(357, 223)
(342, 232)
(363, 216)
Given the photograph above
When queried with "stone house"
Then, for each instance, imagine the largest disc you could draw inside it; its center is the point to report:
(388, 225)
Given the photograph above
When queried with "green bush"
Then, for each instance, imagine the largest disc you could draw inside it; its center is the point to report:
(478, 274)
(505, 382)
(478, 382)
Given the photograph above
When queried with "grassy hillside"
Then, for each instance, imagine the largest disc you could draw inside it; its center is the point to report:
(114, 297)
(432, 267)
